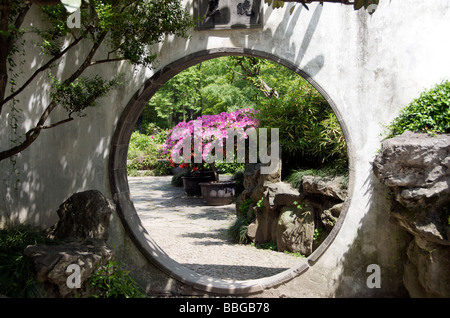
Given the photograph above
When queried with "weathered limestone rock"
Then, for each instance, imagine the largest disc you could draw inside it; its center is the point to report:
(251, 231)
(426, 272)
(51, 262)
(295, 231)
(286, 194)
(82, 230)
(415, 166)
(330, 216)
(416, 169)
(266, 219)
(253, 176)
(273, 203)
(83, 215)
(327, 186)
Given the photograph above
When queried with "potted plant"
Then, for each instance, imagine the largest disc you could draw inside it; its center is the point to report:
(193, 178)
(202, 140)
(218, 192)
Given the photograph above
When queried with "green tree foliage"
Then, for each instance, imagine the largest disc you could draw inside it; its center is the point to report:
(126, 30)
(428, 113)
(179, 99)
(145, 150)
(204, 89)
(310, 134)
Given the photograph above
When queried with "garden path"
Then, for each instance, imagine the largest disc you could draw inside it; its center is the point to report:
(195, 234)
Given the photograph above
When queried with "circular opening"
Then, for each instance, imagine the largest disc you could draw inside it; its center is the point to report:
(132, 222)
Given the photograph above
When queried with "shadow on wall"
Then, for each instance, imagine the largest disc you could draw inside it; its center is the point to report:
(64, 160)
(45, 178)
(378, 242)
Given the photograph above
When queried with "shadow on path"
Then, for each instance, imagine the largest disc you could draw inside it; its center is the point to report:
(195, 234)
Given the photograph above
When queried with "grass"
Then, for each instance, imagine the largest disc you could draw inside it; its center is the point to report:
(295, 177)
(238, 231)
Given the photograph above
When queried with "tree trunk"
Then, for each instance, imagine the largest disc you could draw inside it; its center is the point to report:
(5, 10)
(216, 175)
(7, 41)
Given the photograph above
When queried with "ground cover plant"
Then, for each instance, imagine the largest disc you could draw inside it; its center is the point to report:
(17, 278)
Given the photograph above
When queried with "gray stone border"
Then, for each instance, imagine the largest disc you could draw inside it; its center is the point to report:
(127, 212)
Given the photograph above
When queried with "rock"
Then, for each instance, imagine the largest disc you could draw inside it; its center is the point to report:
(428, 223)
(329, 217)
(326, 186)
(83, 215)
(82, 231)
(425, 272)
(285, 194)
(266, 220)
(415, 166)
(50, 264)
(295, 231)
(253, 176)
(251, 231)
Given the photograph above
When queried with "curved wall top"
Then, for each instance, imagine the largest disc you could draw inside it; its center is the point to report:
(368, 67)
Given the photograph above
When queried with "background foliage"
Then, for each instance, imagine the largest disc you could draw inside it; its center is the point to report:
(310, 134)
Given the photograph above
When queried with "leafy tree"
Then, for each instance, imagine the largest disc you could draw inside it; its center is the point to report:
(179, 99)
(206, 88)
(126, 28)
(310, 134)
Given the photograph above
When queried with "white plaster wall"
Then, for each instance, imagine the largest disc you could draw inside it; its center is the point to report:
(370, 67)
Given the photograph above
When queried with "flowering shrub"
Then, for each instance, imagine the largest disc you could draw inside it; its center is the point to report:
(205, 136)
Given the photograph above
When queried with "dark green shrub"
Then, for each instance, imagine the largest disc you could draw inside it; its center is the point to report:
(238, 231)
(111, 281)
(428, 113)
(17, 278)
(163, 168)
(177, 180)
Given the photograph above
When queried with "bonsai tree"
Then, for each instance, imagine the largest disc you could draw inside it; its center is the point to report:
(202, 140)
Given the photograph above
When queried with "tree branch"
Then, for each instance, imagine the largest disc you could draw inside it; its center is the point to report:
(262, 85)
(38, 71)
(33, 133)
(6, 42)
(106, 61)
(42, 127)
(5, 11)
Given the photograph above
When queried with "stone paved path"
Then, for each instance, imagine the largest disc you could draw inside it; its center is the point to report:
(195, 234)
